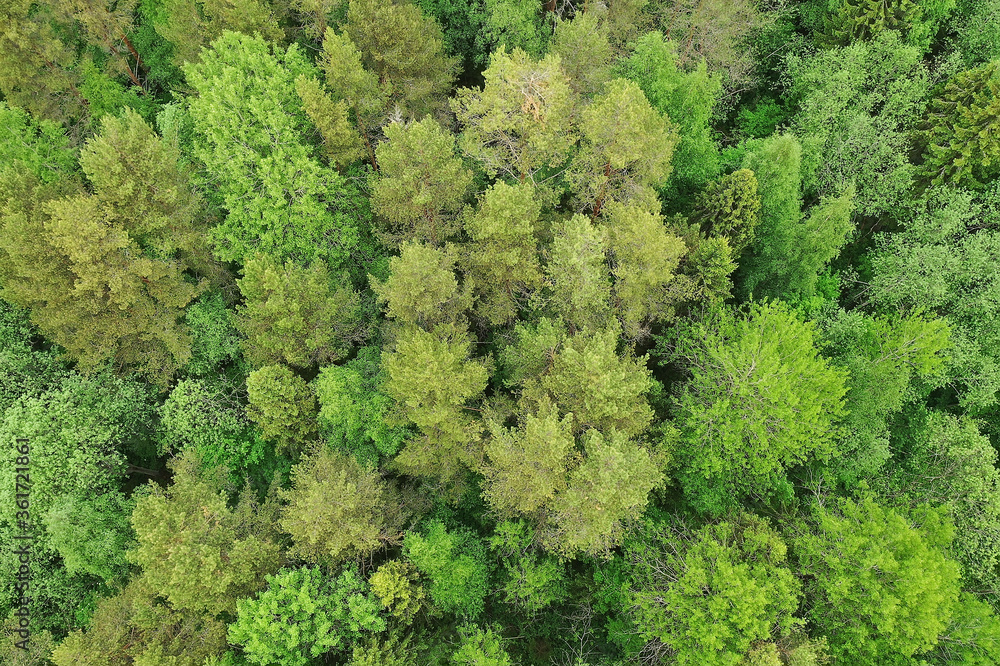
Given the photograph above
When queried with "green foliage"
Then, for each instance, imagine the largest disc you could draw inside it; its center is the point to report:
(581, 285)
(514, 24)
(284, 407)
(521, 121)
(78, 433)
(191, 24)
(533, 581)
(214, 341)
(944, 261)
(687, 97)
(196, 551)
(295, 315)
(481, 647)
(455, 562)
(584, 52)
(422, 183)
(91, 533)
(858, 106)
(626, 146)
(41, 147)
(599, 388)
(959, 131)
(544, 440)
(303, 614)
(948, 462)
(791, 248)
(341, 142)
(884, 358)
(209, 417)
(432, 378)
(644, 262)
(421, 288)
(759, 399)
(395, 585)
(280, 199)
(610, 487)
(972, 637)
(856, 20)
(403, 48)
(711, 594)
(23, 369)
(881, 587)
(337, 509)
(103, 273)
(135, 627)
(355, 416)
(502, 259)
(730, 207)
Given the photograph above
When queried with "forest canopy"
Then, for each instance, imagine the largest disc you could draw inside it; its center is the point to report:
(499, 332)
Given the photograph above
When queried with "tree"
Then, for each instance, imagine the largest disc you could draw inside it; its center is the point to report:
(521, 121)
(514, 24)
(885, 358)
(686, 97)
(455, 562)
(959, 131)
(249, 124)
(303, 615)
(480, 647)
(857, 20)
(947, 462)
(600, 389)
(708, 595)
(730, 207)
(37, 65)
(209, 416)
(431, 378)
(197, 552)
(942, 262)
(759, 398)
(337, 508)
(91, 533)
(284, 407)
(421, 289)
(103, 273)
(395, 585)
(296, 315)
(881, 587)
(502, 259)
(403, 48)
(422, 183)
(78, 433)
(609, 488)
(644, 262)
(580, 278)
(626, 146)
(342, 144)
(355, 414)
(584, 52)
(135, 627)
(106, 26)
(189, 25)
(859, 106)
(534, 580)
(775, 163)
(526, 467)
(715, 31)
